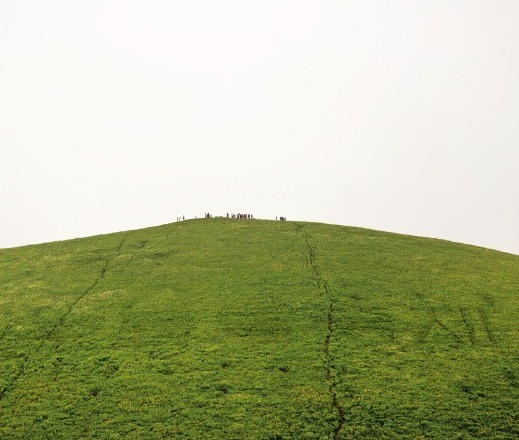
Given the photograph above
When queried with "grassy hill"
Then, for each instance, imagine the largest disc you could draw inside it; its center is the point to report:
(221, 328)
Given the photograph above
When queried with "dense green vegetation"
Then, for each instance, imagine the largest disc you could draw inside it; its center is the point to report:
(241, 329)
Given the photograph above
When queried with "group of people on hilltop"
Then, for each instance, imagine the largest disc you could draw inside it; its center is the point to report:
(241, 216)
(238, 216)
(244, 216)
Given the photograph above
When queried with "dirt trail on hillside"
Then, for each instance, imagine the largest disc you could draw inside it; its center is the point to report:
(331, 370)
(59, 323)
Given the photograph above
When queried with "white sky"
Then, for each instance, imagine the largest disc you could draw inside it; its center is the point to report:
(400, 116)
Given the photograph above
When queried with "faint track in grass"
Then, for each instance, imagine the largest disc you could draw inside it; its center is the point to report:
(60, 321)
(434, 321)
(331, 369)
(508, 370)
(128, 262)
(468, 325)
(444, 326)
(485, 320)
(166, 237)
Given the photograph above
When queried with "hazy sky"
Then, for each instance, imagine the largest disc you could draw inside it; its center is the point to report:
(400, 116)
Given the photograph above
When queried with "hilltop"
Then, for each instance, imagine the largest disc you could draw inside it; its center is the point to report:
(226, 328)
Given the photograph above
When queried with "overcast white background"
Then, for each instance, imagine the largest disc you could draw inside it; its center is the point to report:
(398, 116)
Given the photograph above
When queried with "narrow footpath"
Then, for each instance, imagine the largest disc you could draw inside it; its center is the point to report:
(322, 284)
(60, 321)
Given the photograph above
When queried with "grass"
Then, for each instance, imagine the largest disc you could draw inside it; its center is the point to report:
(243, 329)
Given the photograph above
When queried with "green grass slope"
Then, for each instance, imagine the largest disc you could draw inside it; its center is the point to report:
(239, 329)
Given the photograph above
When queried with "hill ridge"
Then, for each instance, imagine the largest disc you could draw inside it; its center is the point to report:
(221, 328)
